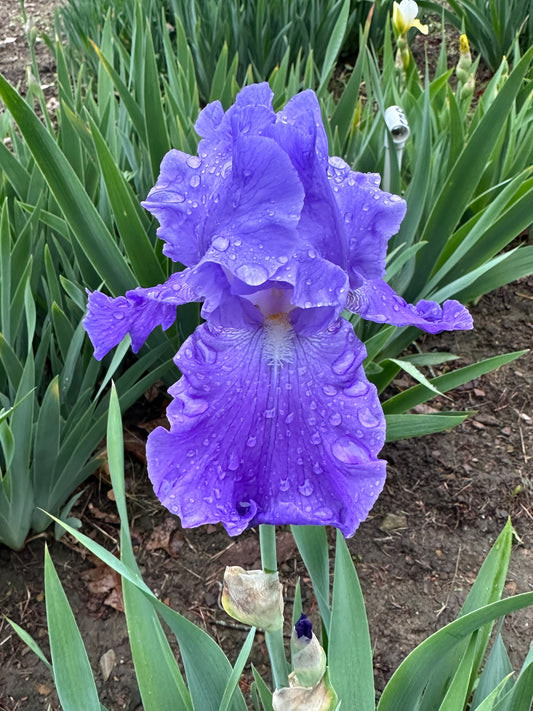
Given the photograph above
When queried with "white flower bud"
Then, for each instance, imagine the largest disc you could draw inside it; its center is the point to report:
(253, 597)
(320, 697)
(308, 657)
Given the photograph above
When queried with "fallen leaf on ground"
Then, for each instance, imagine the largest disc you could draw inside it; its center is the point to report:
(107, 662)
(167, 537)
(102, 580)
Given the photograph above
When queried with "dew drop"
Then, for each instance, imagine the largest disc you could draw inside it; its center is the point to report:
(343, 363)
(358, 389)
(192, 407)
(253, 274)
(289, 418)
(306, 489)
(366, 418)
(118, 315)
(251, 442)
(284, 484)
(316, 438)
(269, 414)
(329, 390)
(194, 181)
(234, 461)
(347, 451)
(194, 162)
(335, 419)
(220, 243)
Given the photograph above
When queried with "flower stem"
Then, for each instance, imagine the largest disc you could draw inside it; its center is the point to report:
(274, 640)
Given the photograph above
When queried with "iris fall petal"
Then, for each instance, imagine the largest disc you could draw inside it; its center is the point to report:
(252, 441)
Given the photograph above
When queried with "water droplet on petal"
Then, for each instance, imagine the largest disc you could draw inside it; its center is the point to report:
(252, 441)
(289, 418)
(343, 363)
(269, 414)
(220, 243)
(329, 390)
(284, 484)
(347, 451)
(194, 162)
(367, 418)
(118, 315)
(253, 274)
(335, 419)
(357, 389)
(316, 438)
(192, 407)
(194, 181)
(306, 489)
(234, 461)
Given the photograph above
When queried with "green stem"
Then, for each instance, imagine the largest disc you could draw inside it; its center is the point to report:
(274, 640)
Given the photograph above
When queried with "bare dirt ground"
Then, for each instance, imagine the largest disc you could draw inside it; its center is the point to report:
(446, 499)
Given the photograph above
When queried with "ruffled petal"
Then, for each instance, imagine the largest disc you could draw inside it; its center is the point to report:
(251, 113)
(253, 226)
(270, 427)
(376, 301)
(138, 313)
(370, 218)
(300, 132)
(179, 200)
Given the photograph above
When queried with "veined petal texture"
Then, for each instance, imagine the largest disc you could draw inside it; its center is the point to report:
(252, 441)
(274, 420)
(376, 301)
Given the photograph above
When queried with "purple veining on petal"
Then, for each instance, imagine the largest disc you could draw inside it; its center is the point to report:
(274, 420)
(370, 218)
(258, 441)
(376, 301)
(138, 313)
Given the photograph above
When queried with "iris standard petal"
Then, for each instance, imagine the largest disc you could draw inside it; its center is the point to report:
(138, 313)
(270, 427)
(179, 200)
(370, 217)
(253, 226)
(376, 301)
(300, 132)
(251, 113)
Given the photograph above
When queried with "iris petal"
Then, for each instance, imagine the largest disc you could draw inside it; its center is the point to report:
(376, 301)
(370, 218)
(138, 313)
(253, 441)
(253, 225)
(179, 201)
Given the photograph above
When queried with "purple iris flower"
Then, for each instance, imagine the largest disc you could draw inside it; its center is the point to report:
(273, 420)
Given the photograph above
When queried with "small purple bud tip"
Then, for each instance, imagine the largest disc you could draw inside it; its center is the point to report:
(304, 627)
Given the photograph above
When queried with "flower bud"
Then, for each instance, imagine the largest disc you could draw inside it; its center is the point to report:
(308, 657)
(464, 65)
(320, 697)
(253, 597)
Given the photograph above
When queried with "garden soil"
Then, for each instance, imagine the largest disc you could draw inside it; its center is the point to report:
(446, 499)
